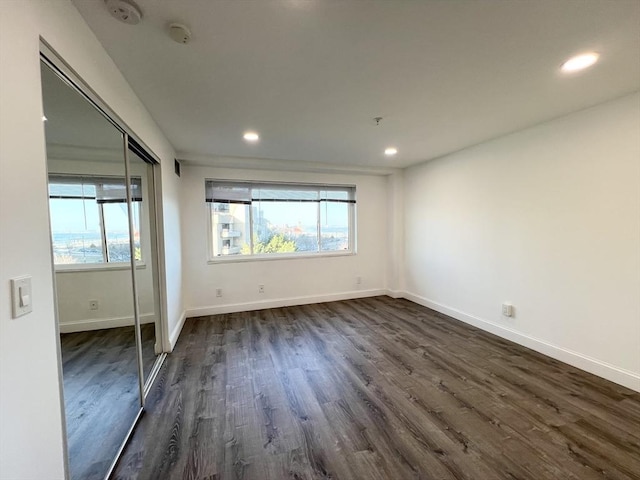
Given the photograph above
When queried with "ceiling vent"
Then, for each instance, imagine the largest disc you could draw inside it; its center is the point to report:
(125, 11)
(179, 33)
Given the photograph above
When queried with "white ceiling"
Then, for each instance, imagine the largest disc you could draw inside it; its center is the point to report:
(310, 75)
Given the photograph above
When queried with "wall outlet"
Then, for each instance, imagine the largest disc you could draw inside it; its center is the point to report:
(93, 305)
(260, 288)
(507, 309)
(358, 280)
(218, 292)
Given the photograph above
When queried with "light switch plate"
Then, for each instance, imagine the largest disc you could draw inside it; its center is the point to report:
(21, 298)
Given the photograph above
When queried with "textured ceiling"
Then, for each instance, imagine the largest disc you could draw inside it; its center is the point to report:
(310, 75)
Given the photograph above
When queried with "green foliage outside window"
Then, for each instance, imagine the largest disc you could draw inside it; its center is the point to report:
(276, 244)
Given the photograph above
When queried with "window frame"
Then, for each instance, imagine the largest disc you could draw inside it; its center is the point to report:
(319, 253)
(106, 264)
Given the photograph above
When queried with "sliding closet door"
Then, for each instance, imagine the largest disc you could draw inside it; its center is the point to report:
(142, 186)
(90, 237)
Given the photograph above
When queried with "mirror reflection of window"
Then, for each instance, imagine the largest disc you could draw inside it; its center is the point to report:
(89, 219)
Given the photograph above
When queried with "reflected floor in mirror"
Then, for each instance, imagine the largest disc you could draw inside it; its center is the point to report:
(101, 394)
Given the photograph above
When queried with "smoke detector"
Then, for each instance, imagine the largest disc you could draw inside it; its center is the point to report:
(179, 33)
(125, 11)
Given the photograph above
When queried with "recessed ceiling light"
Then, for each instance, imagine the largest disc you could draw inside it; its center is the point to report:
(390, 152)
(251, 136)
(580, 62)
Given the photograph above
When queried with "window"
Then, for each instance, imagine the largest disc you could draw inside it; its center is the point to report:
(270, 219)
(89, 219)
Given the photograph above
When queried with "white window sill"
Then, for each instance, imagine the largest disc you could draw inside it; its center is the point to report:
(270, 257)
(97, 267)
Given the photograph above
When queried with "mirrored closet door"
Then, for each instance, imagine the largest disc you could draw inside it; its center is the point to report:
(145, 247)
(105, 263)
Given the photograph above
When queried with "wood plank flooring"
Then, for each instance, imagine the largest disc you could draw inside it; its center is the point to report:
(101, 394)
(374, 389)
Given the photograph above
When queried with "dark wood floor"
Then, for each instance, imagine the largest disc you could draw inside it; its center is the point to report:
(101, 394)
(374, 389)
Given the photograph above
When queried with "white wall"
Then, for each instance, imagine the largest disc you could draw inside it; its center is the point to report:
(286, 281)
(547, 218)
(395, 233)
(170, 248)
(31, 434)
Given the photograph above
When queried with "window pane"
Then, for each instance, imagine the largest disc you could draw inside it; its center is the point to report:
(334, 226)
(230, 229)
(116, 225)
(75, 231)
(283, 227)
(285, 218)
(135, 209)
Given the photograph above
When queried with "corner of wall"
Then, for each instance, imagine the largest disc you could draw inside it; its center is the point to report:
(395, 232)
(175, 333)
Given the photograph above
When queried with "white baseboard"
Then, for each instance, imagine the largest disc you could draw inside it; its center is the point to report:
(602, 369)
(102, 323)
(175, 332)
(282, 302)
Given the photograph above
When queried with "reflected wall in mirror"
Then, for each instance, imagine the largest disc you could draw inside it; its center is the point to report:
(90, 237)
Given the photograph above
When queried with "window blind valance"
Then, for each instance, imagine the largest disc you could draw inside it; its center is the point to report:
(102, 189)
(227, 192)
(246, 193)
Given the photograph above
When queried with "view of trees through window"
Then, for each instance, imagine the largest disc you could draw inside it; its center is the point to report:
(270, 219)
